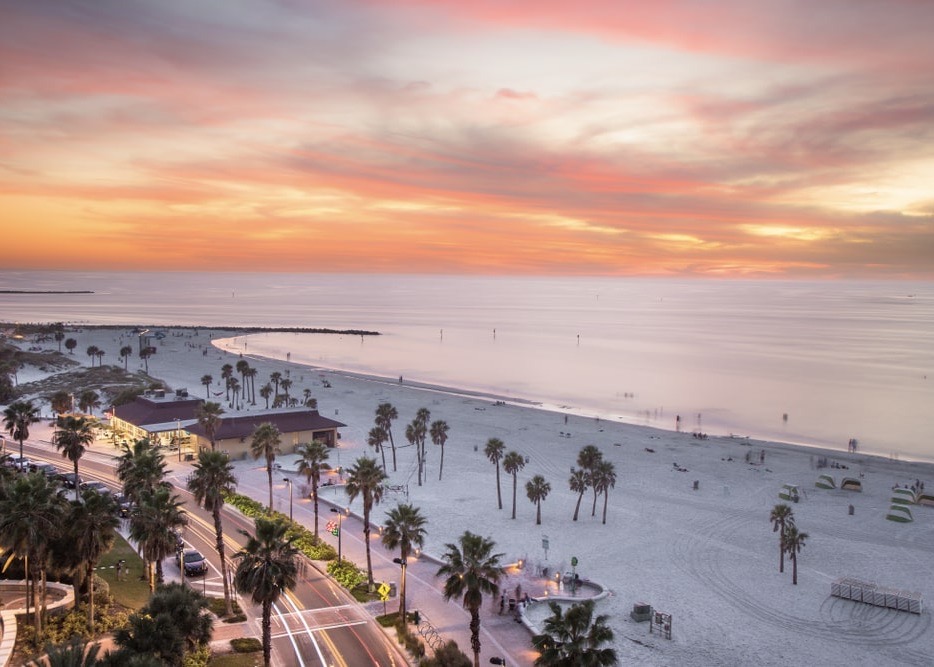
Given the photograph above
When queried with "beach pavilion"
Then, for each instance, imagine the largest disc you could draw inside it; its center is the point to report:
(171, 420)
(296, 426)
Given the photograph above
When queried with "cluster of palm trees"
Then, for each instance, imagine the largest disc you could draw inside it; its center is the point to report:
(790, 540)
(417, 433)
(536, 489)
(594, 472)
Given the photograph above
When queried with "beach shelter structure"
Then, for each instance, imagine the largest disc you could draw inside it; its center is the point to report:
(296, 426)
(903, 496)
(825, 482)
(899, 513)
(158, 415)
(789, 492)
(926, 499)
(851, 484)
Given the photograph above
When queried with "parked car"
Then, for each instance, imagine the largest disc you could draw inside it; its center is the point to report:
(46, 469)
(70, 480)
(195, 563)
(94, 485)
(123, 503)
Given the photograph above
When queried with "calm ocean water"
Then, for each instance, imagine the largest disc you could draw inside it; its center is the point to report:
(841, 359)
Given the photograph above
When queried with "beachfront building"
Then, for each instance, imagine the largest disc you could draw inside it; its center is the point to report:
(296, 426)
(161, 416)
(171, 421)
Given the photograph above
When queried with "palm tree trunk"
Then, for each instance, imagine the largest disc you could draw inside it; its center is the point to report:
(441, 464)
(578, 506)
(606, 496)
(794, 569)
(392, 443)
(267, 632)
(77, 486)
(90, 576)
(382, 450)
(402, 592)
(366, 538)
(781, 548)
(538, 513)
(593, 510)
(475, 635)
(499, 495)
(269, 475)
(314, 497)
(219, 535)
(514, 483)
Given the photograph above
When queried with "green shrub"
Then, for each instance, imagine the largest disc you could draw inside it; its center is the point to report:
(346, 573)
(246, 644)
(303, 539)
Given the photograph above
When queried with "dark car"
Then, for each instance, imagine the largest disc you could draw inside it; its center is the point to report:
(123, 503)
(46, 469)
(70, 480)
(195, 563)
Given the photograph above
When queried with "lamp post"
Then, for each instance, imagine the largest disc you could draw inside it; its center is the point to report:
(340, 516)
(178, 437)
(289, 482)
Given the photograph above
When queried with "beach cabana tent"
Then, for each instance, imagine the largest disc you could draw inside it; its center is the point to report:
(789, 492)
(825, 482)
(850, 484)
(926, 499)
(903, 496)
(899, 513)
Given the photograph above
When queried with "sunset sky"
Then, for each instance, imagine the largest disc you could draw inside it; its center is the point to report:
(740, 138)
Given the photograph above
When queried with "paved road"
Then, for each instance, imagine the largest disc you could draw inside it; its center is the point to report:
(319, 623)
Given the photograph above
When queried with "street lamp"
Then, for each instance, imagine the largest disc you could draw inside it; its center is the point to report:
(289, 482)
(340, 516)
(403, 562)
(178, 437)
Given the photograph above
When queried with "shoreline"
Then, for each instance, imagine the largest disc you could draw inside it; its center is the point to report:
(581, 413)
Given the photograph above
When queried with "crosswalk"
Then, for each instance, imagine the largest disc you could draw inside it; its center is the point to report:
(290, 623)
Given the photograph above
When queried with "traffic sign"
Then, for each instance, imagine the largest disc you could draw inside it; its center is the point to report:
(573, 561)
(383, 591)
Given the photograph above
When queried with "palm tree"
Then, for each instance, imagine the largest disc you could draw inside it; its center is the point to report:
(376, 438)
(276, 378)
(144, 354)
(227, 373)
(17, 418)
(604, 479)
(781, 517)
(286, 384)
(61, 402)
(310, 464)
(209, 418)
(512, 464)
(385, 414)
(31, 516)
(73, 653)
(587, 459)
(472, 570)
(251, 375)
(439, 436)
(92, 352)
(537, 489)
(88, 401)
(125, 353)
(212, 479)
(574, 638)
(404, 528)
(579, 482)
(266, 391)
(207, 381)
(59, 337)
(154, 526)
(793, 542)
(100, 357)
(70, 345)
(234, 385)
(494, 452)
(243, 367)
(73, 435)
(365, 478)
(141, 468)
(415, 433)
(93, 526)
(266, 569)
(266, 444)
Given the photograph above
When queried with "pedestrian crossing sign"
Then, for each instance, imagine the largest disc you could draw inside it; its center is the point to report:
(383, 591)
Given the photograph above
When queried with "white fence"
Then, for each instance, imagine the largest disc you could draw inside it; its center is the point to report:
(879, 596)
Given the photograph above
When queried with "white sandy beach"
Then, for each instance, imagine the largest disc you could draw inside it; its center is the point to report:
(706, 556)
